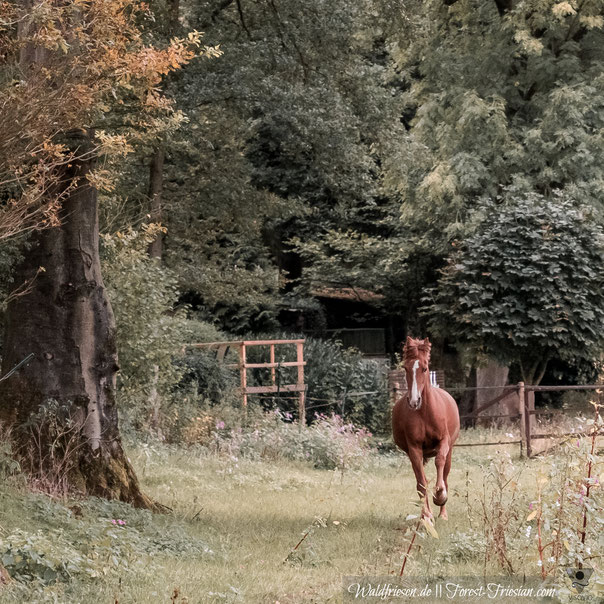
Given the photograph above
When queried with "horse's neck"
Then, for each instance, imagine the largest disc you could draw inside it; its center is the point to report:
(428, 395)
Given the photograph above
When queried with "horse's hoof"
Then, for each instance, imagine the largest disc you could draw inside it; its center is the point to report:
(440, 498)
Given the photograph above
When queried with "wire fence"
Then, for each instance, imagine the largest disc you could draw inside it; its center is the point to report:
(523, 414)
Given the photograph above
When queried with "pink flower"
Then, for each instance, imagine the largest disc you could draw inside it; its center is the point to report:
(113, 522)
(220, 425)
(121, 522)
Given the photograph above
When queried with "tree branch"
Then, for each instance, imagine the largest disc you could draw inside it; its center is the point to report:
(541, 371)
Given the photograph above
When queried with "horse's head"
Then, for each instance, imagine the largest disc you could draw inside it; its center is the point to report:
(416, 357)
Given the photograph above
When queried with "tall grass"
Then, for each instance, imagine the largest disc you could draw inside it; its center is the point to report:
(246, 528)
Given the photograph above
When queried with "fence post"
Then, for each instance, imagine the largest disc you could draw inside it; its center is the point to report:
(243, 371)
(272, 361)
(522, 418)
(527, 421)
(301, 403)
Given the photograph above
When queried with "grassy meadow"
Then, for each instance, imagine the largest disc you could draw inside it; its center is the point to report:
(233, 524)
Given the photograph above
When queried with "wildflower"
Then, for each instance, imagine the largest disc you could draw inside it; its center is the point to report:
(551, 559)
(530, 506)
(528, 531)
(121, 522)
(220, 425)
(113, 521)
(539, 563)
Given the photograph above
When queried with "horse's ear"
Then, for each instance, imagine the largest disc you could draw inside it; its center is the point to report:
(426, 341)
(408, 340)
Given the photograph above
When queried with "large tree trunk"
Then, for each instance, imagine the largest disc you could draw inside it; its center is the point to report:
(66, 320)
(493, 376)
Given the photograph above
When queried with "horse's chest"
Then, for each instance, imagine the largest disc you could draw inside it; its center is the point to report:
(423, 429)
(424, 433)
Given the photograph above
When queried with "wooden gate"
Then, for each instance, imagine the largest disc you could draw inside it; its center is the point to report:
(222, 348)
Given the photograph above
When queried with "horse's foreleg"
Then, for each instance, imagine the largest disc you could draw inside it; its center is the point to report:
(446, 470)
(442, 454)
(417, 462)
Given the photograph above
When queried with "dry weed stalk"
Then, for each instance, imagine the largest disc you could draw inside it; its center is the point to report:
(498, 514)
(588, 485)
(55, 439)
(410, 546)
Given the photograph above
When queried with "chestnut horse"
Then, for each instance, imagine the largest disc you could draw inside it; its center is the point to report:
(425, 423)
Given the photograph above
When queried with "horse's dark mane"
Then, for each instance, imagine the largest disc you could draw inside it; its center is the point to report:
(414, 348)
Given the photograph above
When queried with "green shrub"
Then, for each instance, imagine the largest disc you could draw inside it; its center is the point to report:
(143, 294)
(149, 332)
(353, 385)
(100, 538)
(203, 375)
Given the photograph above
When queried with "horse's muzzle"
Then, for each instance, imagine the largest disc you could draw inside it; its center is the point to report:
(415, 405)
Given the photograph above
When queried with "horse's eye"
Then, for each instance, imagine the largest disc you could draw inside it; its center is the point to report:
(424, 369)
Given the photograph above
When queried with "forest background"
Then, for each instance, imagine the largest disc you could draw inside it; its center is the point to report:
(446, 156)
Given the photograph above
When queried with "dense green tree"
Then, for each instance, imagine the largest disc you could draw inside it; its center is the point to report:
(500, 93)
(493, 94)
(527, 286)
(278, 142)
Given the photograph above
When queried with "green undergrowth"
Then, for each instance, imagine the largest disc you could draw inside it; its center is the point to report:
(61, 550)
(263, 529)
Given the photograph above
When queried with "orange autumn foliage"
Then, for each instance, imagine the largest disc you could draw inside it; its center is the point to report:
(64, 65)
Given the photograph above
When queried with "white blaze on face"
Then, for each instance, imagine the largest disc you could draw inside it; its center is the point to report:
(414, 391)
